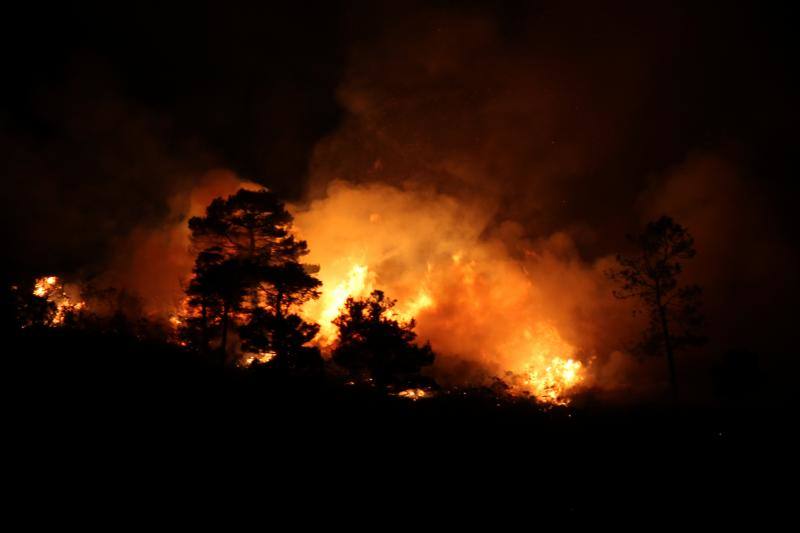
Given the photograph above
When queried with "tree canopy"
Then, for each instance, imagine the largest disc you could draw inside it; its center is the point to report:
(650, 273)
(374, 345)
(248, 275)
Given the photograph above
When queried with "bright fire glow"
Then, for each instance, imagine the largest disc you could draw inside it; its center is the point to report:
(354, 282)
(53, 289)
(551, 370)
(481, 302)
(483, 312)
(257, 357)
(357, 281)
(44, 285)
(552, 384)
(414, 394)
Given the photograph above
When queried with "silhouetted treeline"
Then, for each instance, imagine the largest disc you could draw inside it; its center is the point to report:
(243, 304)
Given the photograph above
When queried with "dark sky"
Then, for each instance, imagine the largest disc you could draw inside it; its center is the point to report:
(254, 86)
(107, 108)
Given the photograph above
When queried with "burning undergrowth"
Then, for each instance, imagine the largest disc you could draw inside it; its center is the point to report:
(58, 301)
(462, 290)
(480, 308)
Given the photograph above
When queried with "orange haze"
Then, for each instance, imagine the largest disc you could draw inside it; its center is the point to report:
(486, 312)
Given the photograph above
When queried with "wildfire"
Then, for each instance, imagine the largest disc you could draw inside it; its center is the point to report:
(423, 300)
(53, 289)
(355, 283)
(414, 394)
(485, 310)
(552, 384)
(258, 357)
(475, 302)
(44, 285)
(551, 371)
(549, 374)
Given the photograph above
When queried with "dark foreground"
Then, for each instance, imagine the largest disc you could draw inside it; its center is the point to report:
(114, 422)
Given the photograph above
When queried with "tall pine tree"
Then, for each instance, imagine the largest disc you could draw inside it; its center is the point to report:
(651, 273)
(248, 277)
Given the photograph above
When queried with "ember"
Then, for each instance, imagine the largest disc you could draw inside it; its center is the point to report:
(259, 357)
(414, 394)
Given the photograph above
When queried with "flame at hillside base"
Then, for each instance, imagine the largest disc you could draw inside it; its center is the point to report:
(553, 383)
(414, 394)
(54, 291)
(481, 311)
(262, 357)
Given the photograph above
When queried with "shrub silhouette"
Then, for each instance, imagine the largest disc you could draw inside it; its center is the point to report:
(373, 345)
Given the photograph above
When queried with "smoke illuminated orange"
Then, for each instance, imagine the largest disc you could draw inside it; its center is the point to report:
(483, 311)
(469, 298)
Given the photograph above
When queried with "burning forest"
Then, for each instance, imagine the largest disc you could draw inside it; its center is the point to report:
(258, 294)
(406, 230)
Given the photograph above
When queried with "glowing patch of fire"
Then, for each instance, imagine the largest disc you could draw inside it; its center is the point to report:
(357, 282)
(552, 383)
(414, 394)
(258, 357)
(52, 289)
(44, 285)
(547, 375)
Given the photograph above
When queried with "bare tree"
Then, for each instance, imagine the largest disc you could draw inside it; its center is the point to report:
(650, 273)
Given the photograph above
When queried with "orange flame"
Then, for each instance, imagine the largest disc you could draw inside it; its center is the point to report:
(340, 284)
(250, 358)
(357, 281)
(468, 296)
(414, 394)
(54, 290)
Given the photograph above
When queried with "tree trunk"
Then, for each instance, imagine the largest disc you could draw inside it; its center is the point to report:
(252, 248)
(662, 315)
(279, 304)
(225, 332)
(204, 328)
(673, 381)
(280, 330)
(251, 256)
